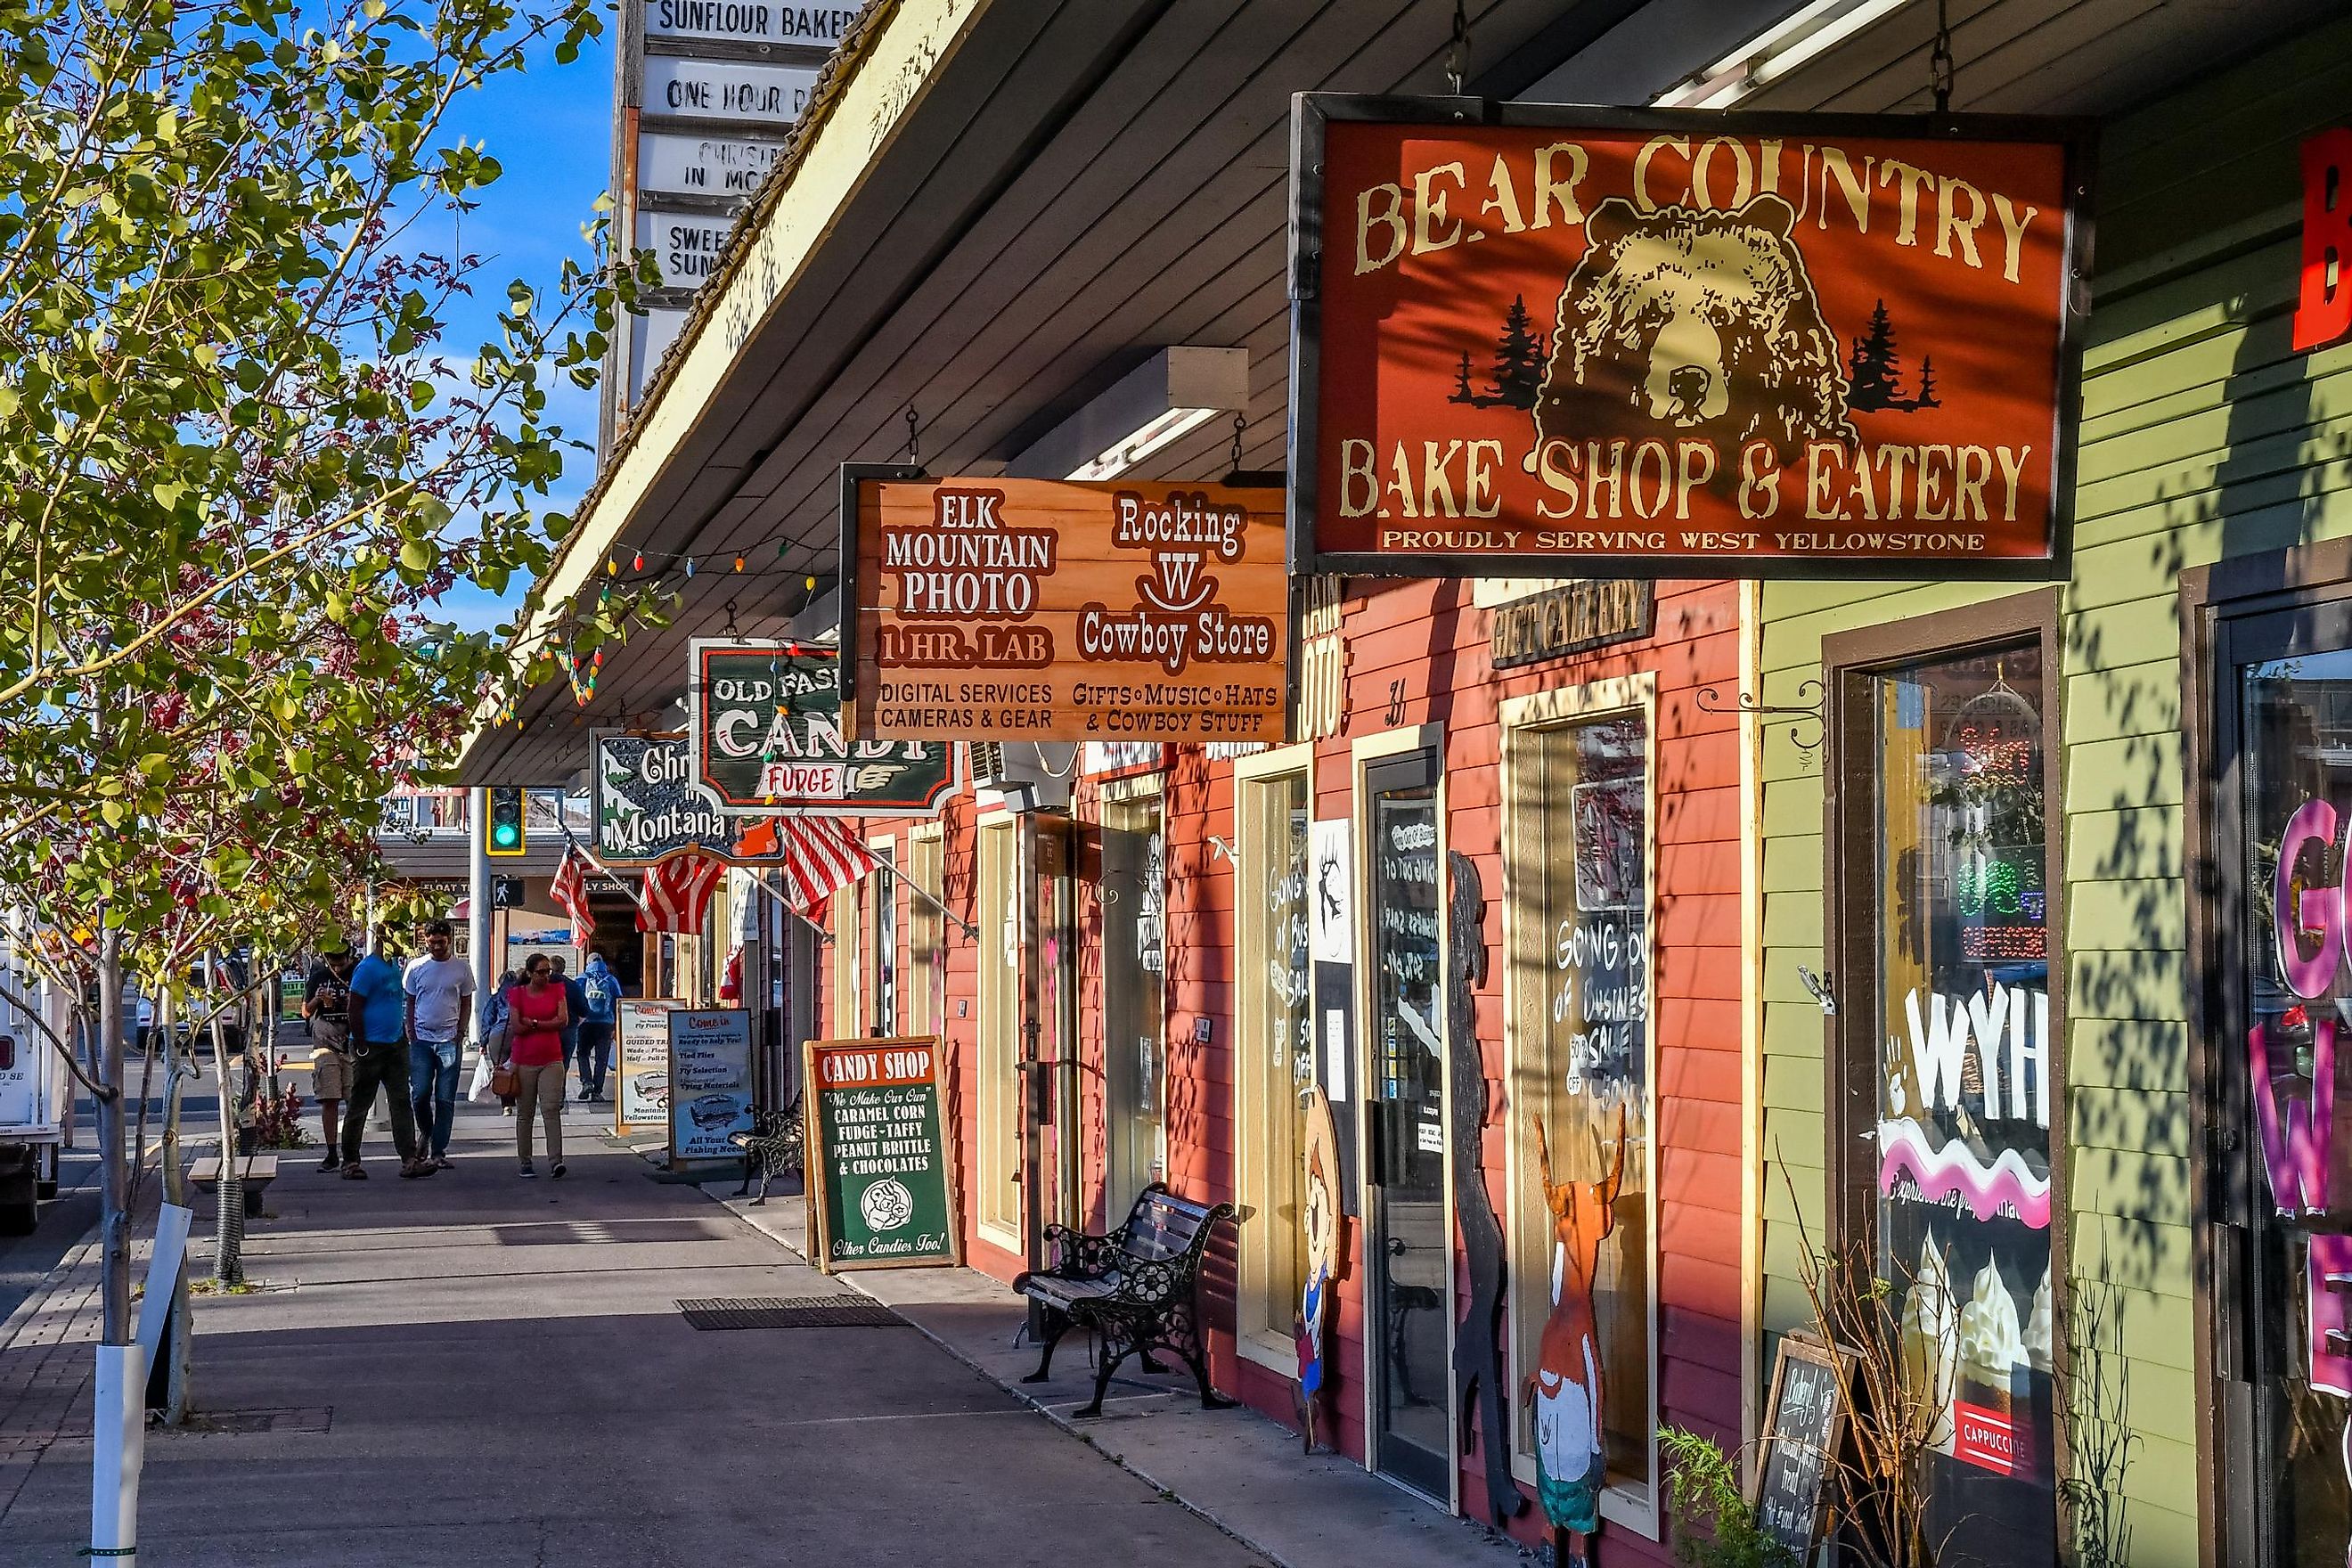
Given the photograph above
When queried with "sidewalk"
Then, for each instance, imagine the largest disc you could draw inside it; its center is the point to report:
(1233, 1466)
(477, 1369)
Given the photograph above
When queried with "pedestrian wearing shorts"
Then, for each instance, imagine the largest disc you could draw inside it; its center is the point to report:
(440, 1004)
(536, 1016)
(326, 1004)
(380, 1064)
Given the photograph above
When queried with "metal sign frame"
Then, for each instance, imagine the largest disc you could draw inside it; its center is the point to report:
(1311, 116)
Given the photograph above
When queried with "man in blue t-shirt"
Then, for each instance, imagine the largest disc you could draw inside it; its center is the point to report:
(603, 990)
(380, 1058)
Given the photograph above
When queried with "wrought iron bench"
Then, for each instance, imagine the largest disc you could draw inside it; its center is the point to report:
(773, 1146)
(1134, 1286)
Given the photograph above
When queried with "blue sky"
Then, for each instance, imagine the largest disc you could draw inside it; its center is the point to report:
(550, 128)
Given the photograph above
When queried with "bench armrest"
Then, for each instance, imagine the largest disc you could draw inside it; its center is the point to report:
(1074, 1255)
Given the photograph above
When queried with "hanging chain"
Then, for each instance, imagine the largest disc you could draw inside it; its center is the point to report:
(1241, 423)
(914, 437)
(728, 629)
(1457, 52)
(1941, 66)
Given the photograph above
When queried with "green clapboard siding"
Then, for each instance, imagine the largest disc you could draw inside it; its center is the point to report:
(2203, 435)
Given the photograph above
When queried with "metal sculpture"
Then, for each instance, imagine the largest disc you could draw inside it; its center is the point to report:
(1479, 1346)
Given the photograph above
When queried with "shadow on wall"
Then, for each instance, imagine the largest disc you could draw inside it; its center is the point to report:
(2132, 973)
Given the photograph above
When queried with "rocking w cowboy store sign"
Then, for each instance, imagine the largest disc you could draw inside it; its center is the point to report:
(1683, 343)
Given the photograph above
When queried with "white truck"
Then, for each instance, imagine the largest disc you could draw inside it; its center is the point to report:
(35, 1097)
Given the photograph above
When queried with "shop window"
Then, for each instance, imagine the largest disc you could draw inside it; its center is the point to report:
(880, 891)
(1945, 876)
(998, 1134)
(1135, 996)
(1273, 1053)
(1576, 925)
(926, 936)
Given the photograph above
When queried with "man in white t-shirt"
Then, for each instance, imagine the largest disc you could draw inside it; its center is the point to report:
(440, 990)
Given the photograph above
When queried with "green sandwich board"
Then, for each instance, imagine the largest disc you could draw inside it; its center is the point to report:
(881, 1177)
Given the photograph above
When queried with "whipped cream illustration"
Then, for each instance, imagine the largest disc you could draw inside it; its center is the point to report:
(1990, 1342)
(1930, 1349)
(2037, 1326)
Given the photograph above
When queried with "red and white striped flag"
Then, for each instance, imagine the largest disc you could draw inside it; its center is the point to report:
(678, 893)
(820, 858)
(570, 893)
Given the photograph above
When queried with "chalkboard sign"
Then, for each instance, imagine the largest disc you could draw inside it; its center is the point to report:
(881, 1184)
(1804, 1426)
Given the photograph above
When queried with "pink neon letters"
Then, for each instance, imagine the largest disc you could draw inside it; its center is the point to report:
(2321, 909)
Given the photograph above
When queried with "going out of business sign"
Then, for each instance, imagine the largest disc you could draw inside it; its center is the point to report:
(1664, 343)
(766, 727)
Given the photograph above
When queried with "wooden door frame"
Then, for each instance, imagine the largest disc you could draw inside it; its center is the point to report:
(2301, 578)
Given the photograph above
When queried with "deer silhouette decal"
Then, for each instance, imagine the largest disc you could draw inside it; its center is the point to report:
(1566, 1387)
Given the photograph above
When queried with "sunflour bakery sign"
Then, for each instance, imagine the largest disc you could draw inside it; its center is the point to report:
(1705, 344)
(1041, 610)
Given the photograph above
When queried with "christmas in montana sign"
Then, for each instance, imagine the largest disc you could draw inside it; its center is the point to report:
(881, 1182)
(1645, 343)
(1040, 610)
(649, 806)
(766, 726)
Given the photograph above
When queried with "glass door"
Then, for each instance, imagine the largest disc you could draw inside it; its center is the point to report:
(1134, 879)
(2283, 1291)
(1409, 1301)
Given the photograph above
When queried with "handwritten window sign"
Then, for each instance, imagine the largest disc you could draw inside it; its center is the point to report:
(642, 1047)
(1042, 610)
(750, 21)
(1804, 1426)
(766, 724)
(709, 1082)
(1683, 343)
(882, 1185)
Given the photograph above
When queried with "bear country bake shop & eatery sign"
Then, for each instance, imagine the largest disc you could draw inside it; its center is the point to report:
(881, 1182)
(765, 721)
(1044, 610)
(1713, 344)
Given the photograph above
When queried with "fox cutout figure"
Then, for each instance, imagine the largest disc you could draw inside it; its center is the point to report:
(1566, 1387)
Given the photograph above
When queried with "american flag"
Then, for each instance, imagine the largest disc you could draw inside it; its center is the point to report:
(678, 893)
(820, 858)
(570, 892)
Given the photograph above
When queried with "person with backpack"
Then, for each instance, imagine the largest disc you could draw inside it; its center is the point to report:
(602, 991)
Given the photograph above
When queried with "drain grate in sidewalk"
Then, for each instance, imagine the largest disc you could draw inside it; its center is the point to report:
(787, 1313)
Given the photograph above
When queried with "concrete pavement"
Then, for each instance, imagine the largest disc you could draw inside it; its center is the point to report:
(478, 1369)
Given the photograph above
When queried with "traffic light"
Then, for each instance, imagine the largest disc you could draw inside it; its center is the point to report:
(506, 819)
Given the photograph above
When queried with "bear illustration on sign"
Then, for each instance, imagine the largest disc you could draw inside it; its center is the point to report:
(1686, 323)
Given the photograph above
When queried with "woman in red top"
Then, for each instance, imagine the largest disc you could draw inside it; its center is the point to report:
(537, 1015)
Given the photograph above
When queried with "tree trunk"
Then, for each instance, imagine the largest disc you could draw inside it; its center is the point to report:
(175, 1191)
(114, 1224)
(229, 1191)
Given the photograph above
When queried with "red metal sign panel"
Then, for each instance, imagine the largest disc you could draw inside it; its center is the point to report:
(1705, 345)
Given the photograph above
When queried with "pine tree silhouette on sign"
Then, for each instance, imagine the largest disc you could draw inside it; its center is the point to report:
(1519, 356)
(1926, 398)
(1462, 392)
(1876, 368)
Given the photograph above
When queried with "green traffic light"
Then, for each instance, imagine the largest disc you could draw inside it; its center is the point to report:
(506, 834)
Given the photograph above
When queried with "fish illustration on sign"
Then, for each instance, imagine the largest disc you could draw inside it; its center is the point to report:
(1566, 1387)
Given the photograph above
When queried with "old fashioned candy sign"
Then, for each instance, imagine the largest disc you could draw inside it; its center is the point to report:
(1039, 610)
(1660, 343)
(767, 731)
